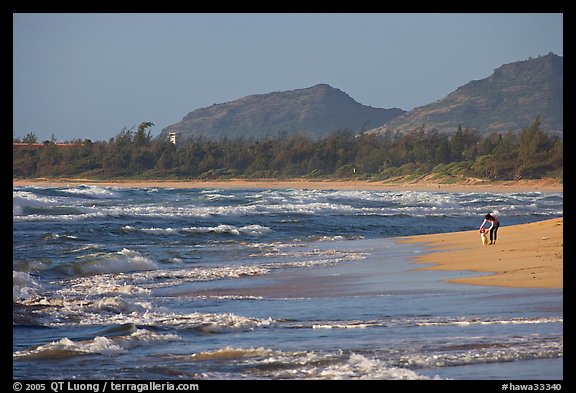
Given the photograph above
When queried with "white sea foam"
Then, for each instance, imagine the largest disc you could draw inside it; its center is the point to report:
(300, 202)
(212, 322)
(424, 322)
(361, 367)
(85, 247)
(172, 277)
(489, 321)
(332, 325)
(216, 195)
(108, 298)
(94, 191)
(229, 353)
(125, 311)
(99, 285)
(55, 236)
(108, 346)
(251, 230)
(58, 217)
(22, 199)
(160, 231)
(131, 272)
(267, 363)
(379, 364)
(121, 261)
(84, 298)
(24, 286)
(490, 351)
(118, 305)
(307, 202)
(228, 297)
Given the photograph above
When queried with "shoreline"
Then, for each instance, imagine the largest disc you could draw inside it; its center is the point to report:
(544, 185)
(525, 256)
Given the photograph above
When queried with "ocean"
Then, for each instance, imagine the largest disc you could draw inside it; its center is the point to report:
(257, 284)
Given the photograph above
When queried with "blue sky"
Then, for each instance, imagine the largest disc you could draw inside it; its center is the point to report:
(91, 75)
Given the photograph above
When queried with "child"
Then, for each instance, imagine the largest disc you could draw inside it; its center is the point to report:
(494, 225)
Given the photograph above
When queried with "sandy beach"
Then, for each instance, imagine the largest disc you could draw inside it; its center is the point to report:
(469, 185)
(525, 256)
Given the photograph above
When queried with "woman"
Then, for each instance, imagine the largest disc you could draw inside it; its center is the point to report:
(494, 225)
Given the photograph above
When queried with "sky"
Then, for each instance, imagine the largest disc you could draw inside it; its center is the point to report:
(91, 75)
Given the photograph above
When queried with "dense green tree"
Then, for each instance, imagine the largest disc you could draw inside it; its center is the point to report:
(534, 151)
(49, 159)
(529, 153)
(25, 163)
(141, 137)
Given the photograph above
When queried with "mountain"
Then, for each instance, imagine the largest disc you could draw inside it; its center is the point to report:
(315, 111)
(509, 99)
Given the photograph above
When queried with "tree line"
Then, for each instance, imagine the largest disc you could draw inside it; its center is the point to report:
(529, 153)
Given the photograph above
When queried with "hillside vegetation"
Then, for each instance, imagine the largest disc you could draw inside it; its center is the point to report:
(530, 153)
(506, 100)
(316, 111)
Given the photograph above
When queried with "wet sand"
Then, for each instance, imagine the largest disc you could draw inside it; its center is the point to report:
(524, 256)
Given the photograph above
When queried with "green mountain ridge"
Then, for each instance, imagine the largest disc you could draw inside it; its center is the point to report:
(508, 100)
(315, 111)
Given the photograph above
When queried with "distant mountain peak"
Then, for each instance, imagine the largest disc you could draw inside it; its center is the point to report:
(507, 100)
(314, 111)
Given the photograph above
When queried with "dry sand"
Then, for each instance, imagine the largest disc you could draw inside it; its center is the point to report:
(525, 256)
(469, 185)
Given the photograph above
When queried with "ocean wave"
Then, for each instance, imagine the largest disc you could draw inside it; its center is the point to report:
(45, 216)
(109, 262)
(310, 209)
(228, 297)
(96, 192)
(105, 272)
(390, 364)
(100, 285)
(470, 321)
(85, 247)
(27, 199)
(358, 366)
(144, 314)
(229, 353)
(250, 230)
(113, 284)
(422, 322)
(202, 204)
(24, 286)
(316, 238)
(152, 231)
(118, 305)
(488, 351)
(117, 286)
(174, 277)
(274, 364)
(56, 236)
(118, 298)
(107, 346)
